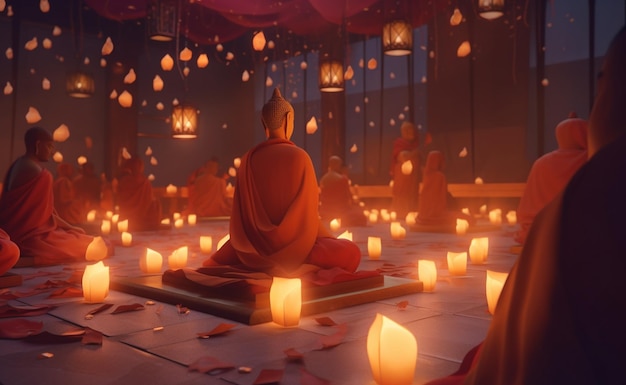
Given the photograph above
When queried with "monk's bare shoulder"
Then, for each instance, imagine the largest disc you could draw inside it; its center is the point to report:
(22, 172)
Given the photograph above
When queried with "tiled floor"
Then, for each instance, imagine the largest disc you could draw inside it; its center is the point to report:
(445, 323)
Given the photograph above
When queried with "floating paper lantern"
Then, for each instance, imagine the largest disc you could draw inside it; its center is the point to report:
(392, 352)
(206, 244)
(96, 282)
(427, 273)
(186, 71)
(192, 219)
(115, 218)
(269, 82)
(176, 216)
(122, 226)
(32, 116)
(374, 247)
(31, 44)
(349, 74)
(44, 6)
(8, 89)
(9, 53)
(490, 9)
(81, 160)
(130, 77)
(165, 221)
(393, 215)
(91, 216)
(202, 61)
(354, 148)
(178, 259)
(185, 54)
(96, 250)
(372, 64)
(478, 180)
(113, 94)
(125, 99)
(258, 41)
(407, 167)
(56, 31)
(151, 262)
(457, 263)
(245, 76)
(184, 121)
(464, 49)
(286, 301)
(107, 47)
(373, 217)
(105, 227)
(311, 126)
(167, 63)
(237, 162)
(478, 250)
(153, 161)
(493, 287)
(456, 18)
(127, 239)
(232, 172)
(157, 83)
(45, 84)
(511, 217)
(463, 153)
(335, 224)
(397, 38)
(61, 133)
(57, 157)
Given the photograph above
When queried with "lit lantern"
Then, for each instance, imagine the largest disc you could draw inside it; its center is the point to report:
(407, 167)
(490, 9)
(464, 49)
(393, 215)
(311, 126)
(461, 226)
(222, 241)
(384, 214)
(335, 224)
(170, 189)
(206, 244)
(31, 44)
(91, 216)
(61, 133)
(32, 116)
(125, 99)
(165, 221)
(511, 217)
(178, 259)
(373, 217)
(192, 219)
(57, 157)
(81, 160)
(122, 226)
(493, 286)
(397, 38)
(349, 74)
(178, 223)
(127, 239)
(495, 217)
(151, 262)
(8, 89)
(478, 250)
(397, 231)
(167, 63)
(96, 282)
(107, 47)
(330, 75)
(184, 121)
(130, 77)
(108, 214)
(483, 210)
(457, 263)
(202, 61)
(245, 76)
(392, 352)
(176, 216)
(96, 250)
(286, 301)
(465, 210)
(105, 227)
(157, 83)
(185, 54)
(237, 162)
(456, 18)
(374, 247)
(114, 219)
(427, 273)
(410, 218)
(478, 180)
(258, 41)
(162, 20)
(345, 235)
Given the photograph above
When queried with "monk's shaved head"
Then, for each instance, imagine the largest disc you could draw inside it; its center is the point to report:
(35, 134)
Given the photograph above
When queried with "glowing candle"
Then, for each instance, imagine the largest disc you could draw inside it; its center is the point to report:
(465, 211)
(335, 224)
(345, 235)
(91, 216)
(493, 286)
(170, 189)
(457, 263)
(373, 217)
(374, 247)
(392, 352)
(96, 250)
(511, 217)
(178, 259)
(122, 226)
(178, 223)
(127, 239)
(96, 282)
(393, 215)
(165, 221)
(206, 244)
(192, 219)
(397, 231)
(286, 301)
(384, 214)
(105, 227)
(427, 273)
(483, 210)
(407, 167)
(109, 214)
(478, 250)
(410, 218)
(176, 216)
(495, 217)
(151, 262)
(461, 226)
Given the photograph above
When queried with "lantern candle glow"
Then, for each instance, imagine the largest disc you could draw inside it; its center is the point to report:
(427, 273)
(151, 262)
(493, 287)
(286, 301)
(206, 244)
(96, 282)
(178, 259)
(461, 226)
(127, 239)
(374, 247)
(457, 263)
(392, 352)
(122, 226)
(105, 227)
(192, 219)
(478, 250)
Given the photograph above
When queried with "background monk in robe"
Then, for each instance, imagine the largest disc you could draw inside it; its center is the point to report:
(9, 252)
(136, 199)
(275, 226)
(436, 205)
(27, 207)
(405, 191)
(207, 192)
(88, 187)
(560, 316)
(551, 172)
(336, 197)
(66, 203)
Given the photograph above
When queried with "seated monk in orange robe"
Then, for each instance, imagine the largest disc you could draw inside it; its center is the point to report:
(135, 198)
(9, 252)
(560, 316)
(88, 187)
(436, 205)
(551, 172)
(405, 190)
(336, 197)
(275, 226)
(27, 211)
(207, 193)
(66, 203)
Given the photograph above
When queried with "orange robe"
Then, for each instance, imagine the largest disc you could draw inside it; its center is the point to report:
(9, 252)
(66, 203)
(137, 203)
(27, 214)
(560, 316)
(274, 225)
(208, 198)
(336, 200)
(551, 172)
(405, 191)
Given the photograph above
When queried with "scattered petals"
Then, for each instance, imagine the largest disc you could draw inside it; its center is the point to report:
(91, 337)
(325, 321)
(19, 328)
(7, 310)
(45, 338)
(209, 364)
(67, 292)
(219, 329)
(293, 355)
(32, 116)
(46, 355)
(335, 339)
(127, 308)
(182, 309)
(402, 305)
(107, 47)
(269, 376)
(99, 309)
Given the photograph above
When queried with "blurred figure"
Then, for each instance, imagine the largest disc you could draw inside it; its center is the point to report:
(9, 252)
(207, 192)
(136, 199)
(88, 187)
(336, 197)
(66, 202)
(406, 183)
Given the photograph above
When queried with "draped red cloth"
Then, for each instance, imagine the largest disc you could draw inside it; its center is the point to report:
(433, 204)
(27, 214)
(208, 197)
(336, 200)
(66, 203)
(274, 225)
(9, 252)
(405, 191)
(137, 203)
(551, 172)
(559, 319)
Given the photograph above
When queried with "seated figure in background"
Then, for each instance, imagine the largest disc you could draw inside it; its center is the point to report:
(437, 206)
(207, 192)
(275, 226)
(135, 197)
(66, 203)
(9, 252)
(551, 172)
(406, 185)
(336, 198)
(88, 187)
(27, 211)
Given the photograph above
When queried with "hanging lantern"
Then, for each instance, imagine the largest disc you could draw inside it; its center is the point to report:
(162, 20)
(490, 9)
(397, 38)
(330, 75)
(184, 121)
(79, 84)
